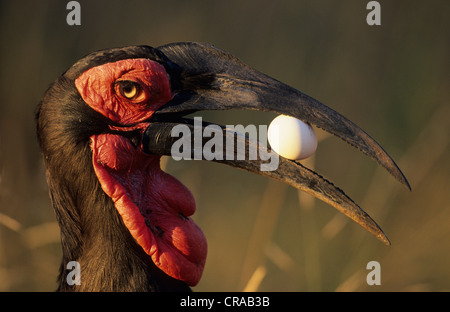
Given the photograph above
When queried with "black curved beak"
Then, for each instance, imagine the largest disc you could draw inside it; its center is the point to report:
(206, 78)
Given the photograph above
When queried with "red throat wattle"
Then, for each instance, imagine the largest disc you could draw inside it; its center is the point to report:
(154, 206)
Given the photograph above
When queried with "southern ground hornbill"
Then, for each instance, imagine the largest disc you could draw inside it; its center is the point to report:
(103, 126)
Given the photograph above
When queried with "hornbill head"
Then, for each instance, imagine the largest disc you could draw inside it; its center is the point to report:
(103, 127)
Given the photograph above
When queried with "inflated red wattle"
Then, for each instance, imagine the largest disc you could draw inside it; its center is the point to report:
(154, 206)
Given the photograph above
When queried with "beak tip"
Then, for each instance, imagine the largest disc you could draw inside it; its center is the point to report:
(382, 237)
(408, 185)
(402, 179)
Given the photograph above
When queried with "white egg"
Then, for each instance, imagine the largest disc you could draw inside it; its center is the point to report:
(291, 138)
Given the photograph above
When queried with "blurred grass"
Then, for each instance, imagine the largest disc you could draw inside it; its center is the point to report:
(392, 80)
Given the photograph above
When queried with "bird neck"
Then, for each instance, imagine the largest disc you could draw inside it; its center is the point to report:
(93, 235)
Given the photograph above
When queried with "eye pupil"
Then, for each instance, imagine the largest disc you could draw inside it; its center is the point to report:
(129, 89)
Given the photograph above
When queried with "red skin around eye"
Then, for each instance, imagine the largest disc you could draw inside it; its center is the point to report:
(96, 87)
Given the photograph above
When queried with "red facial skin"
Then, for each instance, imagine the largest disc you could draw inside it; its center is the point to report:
(154, 206)
(98, 88)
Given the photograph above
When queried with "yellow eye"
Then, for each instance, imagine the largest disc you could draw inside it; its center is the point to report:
(130, 90)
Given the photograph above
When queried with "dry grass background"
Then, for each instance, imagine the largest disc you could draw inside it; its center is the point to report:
(392, 80)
